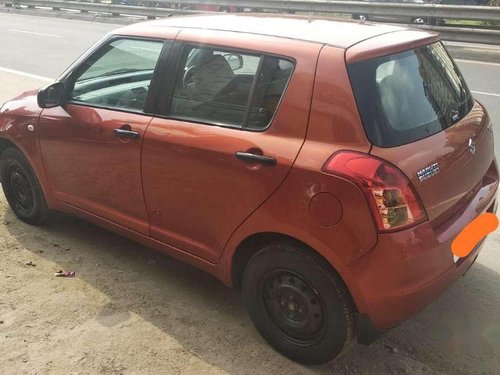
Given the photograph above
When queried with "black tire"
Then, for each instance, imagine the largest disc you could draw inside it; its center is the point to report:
(298, 303)
(21, 188)
(361, 17)
(420, 21)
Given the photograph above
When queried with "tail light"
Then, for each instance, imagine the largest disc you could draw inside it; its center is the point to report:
(393, 202)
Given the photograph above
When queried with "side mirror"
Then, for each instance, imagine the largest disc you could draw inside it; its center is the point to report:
(235, 61)
(51, 96)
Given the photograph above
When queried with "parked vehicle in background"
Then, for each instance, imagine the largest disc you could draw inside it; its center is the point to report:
(398, 18)
(323, 167)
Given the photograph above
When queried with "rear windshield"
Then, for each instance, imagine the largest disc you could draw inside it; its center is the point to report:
(410, 95)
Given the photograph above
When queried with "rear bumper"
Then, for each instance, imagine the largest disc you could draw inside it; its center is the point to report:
(390, 311)
(403, 273)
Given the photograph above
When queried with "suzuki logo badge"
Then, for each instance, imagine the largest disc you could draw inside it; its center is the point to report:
(472, 146)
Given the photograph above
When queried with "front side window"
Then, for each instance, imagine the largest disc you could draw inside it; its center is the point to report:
(229, 88)
(409, 95)
(118, 75)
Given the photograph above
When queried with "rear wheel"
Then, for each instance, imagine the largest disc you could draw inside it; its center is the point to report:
(21, 188)
(298, 303)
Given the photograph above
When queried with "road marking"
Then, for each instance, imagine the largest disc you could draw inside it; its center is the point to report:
(34, 76)
(35, 33)
(477, 62)
(485, 93)
(480, 63)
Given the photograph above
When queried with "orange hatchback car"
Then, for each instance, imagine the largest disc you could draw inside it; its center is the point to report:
(322, 167)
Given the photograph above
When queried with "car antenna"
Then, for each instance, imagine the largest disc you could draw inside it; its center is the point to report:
(176, 11)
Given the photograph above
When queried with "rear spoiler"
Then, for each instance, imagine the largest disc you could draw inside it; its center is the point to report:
(389, 43)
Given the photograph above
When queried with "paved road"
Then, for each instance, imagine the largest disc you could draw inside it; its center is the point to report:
(448, 337)
(45, 46)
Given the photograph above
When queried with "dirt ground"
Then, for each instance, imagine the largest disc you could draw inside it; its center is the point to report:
(130, 310)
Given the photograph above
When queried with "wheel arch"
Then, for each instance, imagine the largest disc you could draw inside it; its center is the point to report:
(255, 242)
(6, 143)
(33, 157)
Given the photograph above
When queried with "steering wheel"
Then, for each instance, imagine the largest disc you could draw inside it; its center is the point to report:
(188, 75)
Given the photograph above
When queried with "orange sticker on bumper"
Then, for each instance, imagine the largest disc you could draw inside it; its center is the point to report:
(473, 233)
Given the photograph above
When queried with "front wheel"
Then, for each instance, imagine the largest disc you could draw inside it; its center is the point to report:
(298, 303)
(21, 188)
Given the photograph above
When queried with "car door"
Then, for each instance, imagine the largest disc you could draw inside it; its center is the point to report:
(222, 147)
(91, 146)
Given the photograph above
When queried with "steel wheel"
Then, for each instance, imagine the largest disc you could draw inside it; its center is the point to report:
(21, 187)
(294, 306)
(22, 190)
(298, 303)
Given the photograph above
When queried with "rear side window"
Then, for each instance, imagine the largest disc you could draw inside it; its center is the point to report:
(410, 95)
(230, 88)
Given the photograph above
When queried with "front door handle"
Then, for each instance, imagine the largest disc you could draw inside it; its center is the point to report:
(265, 160)
(126, 133)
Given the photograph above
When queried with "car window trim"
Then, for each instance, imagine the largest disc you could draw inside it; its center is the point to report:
(251, 94)
(161, 69)
(164, 103)
(99, 51)
(116, 109)
(167, 83)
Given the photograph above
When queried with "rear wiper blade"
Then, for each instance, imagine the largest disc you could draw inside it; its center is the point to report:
(455, 115)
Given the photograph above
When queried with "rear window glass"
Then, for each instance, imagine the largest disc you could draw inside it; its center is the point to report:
(410, 95)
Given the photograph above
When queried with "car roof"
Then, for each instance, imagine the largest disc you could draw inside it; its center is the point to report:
(319, 30)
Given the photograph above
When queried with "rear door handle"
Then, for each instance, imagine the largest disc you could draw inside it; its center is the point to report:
(126, 133)
(247, 156)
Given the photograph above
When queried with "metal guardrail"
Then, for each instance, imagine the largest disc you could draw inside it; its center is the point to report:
(459, 34)
(482, 13)
(345, 7)
(114, 10)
